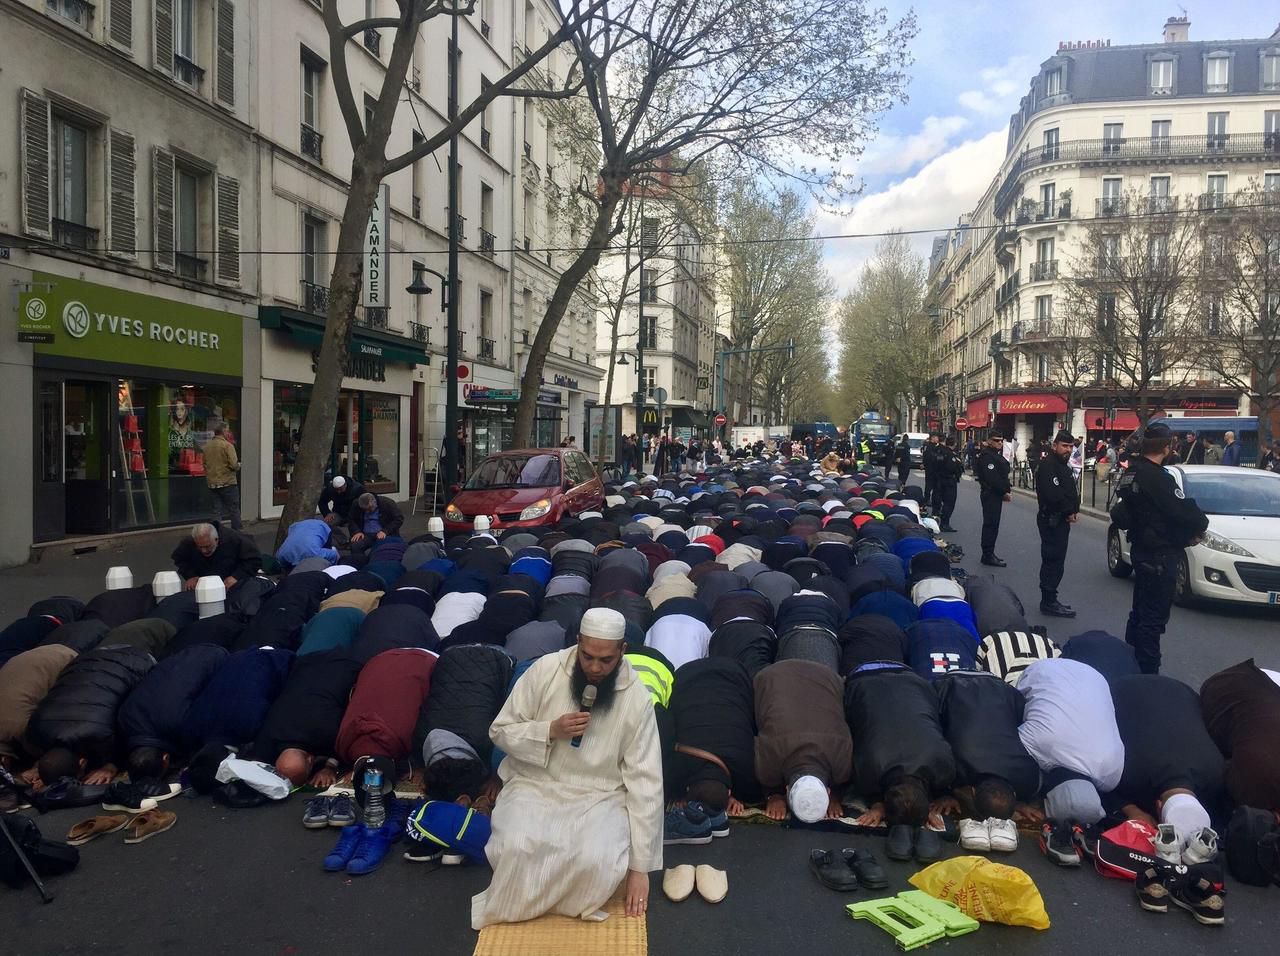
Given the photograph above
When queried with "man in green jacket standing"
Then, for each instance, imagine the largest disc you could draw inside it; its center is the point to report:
(220, 467)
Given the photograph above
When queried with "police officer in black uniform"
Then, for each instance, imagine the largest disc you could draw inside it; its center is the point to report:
(1059, 501)
(994, 490)
(1160, 521)
(948, 469)
(929, 458)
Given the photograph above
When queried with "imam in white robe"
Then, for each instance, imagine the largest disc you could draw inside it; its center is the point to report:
(570, 822)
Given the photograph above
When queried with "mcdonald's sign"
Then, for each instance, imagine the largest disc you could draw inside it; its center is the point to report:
(650, 416)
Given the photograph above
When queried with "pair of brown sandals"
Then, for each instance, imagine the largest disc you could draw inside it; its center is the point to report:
(138, 827)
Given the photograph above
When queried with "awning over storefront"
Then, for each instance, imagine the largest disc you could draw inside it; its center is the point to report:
(682, 417)
(978, 413)
(1121, 420)
(309, 330)
(1031, 404)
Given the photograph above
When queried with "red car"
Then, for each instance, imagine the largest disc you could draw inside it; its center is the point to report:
(521, 489)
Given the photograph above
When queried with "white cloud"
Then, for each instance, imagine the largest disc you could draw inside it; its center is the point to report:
(1000, 87)
(893, 154)
(948, 186)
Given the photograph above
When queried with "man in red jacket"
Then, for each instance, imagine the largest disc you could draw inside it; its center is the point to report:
(383, 711)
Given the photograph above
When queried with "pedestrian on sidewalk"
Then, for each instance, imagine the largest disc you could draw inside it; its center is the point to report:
(1230, 450)
(994, 490)
(1161, 521)
(220, 467)
(1059, 509)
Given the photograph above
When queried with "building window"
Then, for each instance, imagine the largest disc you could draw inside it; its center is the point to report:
(648, 285)
(1271, 71)
(1213, 315)
(1160, 200)
(314, 247)
(487, 343)
(77, 11)
(1106, 313)
(649, 331)
(1112, 196)
(1160, 130)
(1053, 82)
(312, 140)
(650, 381)
(1160, 77)
(1271, 130)
(1044, 312)
(187, 188)
(71, 183)
(1271, 182)
(366, 441)
(1215, 195)
(1112, 138)
(185, 67)
(1042, 368)
(1050, 149)
(1217, 74)
(1217, 131)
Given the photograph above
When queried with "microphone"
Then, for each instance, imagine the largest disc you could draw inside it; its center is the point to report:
(588, 701)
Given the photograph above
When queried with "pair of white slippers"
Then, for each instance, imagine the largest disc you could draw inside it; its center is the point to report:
(678, 883)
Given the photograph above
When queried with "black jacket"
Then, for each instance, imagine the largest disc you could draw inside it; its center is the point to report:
(713, 709)
(468, 688)
(309, 710)
(947, 466)
(980, 716)
(992, 472)
(79, 712)
(902, 456)
(893, 716)
(929, 458)
(389, 515)
(1056, 488)
(1161, 517)
(154, 713)
(236, 556)
(337, 502)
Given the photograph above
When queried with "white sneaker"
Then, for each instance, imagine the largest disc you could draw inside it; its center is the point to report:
(1168, 844)
(1004, 835)
(1202, 847)
(974, 835)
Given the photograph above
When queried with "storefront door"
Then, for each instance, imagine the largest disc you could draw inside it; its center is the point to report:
(73, 458)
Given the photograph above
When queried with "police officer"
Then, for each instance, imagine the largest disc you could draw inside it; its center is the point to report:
(1059, 509)
(948, 469)
(1160, 521)
(994, 490)
(929, 457)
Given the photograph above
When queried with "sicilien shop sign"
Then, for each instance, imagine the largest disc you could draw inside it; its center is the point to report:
(1031, 404)
(74, 319)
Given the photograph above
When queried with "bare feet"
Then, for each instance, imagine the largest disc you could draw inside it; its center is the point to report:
(835, 809)
(775, 808)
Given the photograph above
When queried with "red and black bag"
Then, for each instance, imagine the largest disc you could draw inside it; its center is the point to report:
(1126, 850)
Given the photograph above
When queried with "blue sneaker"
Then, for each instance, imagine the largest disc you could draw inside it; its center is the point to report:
(373, 848)
(342, 812)
(684, 825)
(719, 822)
(316, 814)
(344, 850)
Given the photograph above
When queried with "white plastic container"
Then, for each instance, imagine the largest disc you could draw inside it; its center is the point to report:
(435, 528)
(481, 523)
(119, 578)
(211, 595)
(165, 583)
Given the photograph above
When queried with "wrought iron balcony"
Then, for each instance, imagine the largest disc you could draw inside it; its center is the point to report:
(1044, 270)
(1214, 202)
(373, 41)
(485, 138)
(487, 242)
(462, 342)
(372, 317)
(1109, 206)
(315, 298)
(460, 223)
(420, 332)
(1008, 289)
(312, 143)
(191, 267)
(186, 71)
(1160, 204)
(417, 207)
(74, 234)
(487, 348)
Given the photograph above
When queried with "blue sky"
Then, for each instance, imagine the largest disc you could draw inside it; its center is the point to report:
(973, 62)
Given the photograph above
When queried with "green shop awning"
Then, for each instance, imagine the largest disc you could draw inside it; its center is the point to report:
(684, 417)
(309, 330)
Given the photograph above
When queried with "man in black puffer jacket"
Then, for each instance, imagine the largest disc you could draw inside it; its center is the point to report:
(713, 714)
(74, 728)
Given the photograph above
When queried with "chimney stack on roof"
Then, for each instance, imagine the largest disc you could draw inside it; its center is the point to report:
(1177, 30)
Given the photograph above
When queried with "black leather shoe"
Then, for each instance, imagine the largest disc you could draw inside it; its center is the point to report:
(947, 529)
(928, 845)
(866, 867)
(238, 795)
(992, 561)
(67, 792)
(898, 847)
(1056, 609)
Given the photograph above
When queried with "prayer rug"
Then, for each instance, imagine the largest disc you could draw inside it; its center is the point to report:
(619, 935)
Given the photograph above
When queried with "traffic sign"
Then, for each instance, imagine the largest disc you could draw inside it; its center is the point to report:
(962, 424)
(463, 371)
(721, 421)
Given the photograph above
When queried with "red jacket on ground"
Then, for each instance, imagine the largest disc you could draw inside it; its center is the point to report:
(384, 706)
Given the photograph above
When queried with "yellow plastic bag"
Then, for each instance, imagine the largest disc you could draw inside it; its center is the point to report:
(991, 892)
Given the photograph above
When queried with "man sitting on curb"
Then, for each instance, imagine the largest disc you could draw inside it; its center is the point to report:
(230, 555)
(373, 518)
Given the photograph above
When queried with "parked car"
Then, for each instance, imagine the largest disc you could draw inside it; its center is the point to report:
(525, 488)
(1239, 558)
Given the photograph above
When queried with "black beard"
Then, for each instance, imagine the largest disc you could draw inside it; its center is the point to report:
(606, 690)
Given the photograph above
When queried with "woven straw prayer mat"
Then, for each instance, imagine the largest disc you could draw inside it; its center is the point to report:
(564, 936)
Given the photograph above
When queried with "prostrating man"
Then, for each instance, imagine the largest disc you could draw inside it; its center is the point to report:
(309, 538)
(980, 716)
(234, 703)
(1172, 768)
(1160, 521)
(994, 489)
(901, 760)
(712, 714)
(373, 518)
(1069, 728)
(25, 680)
(1059, 508)
(300, 732)
(1241, 708)
(230, 555)
(804, 754)
(338, 497)
(574, 822)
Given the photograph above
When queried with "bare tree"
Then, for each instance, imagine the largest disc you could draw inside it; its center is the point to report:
(1072, 345)
(747, 84)
(1138, 270)
(1241, 299)
(370, 165)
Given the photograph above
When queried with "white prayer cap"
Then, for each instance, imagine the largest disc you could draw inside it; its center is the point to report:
(603, 623)
(808, 798)
(339, 482)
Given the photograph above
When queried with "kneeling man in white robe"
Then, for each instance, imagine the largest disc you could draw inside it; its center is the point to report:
(572, 823)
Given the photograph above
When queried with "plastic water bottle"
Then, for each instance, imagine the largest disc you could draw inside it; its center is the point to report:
(375, 814)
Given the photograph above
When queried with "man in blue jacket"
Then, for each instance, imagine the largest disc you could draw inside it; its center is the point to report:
(1230, 450)
(309, 538)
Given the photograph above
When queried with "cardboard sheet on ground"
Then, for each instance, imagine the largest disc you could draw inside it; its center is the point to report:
(987, 891)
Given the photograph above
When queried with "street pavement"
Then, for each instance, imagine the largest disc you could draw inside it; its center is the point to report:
(250, 881)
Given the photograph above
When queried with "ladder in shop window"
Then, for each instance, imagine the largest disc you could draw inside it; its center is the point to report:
(430, 467)
(133, 460)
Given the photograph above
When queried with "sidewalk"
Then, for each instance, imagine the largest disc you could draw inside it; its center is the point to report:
(84, 575)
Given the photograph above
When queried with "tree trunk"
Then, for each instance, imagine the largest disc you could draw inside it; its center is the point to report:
(608, 388)
(1266, 404)
(316, 442)
(531, 380)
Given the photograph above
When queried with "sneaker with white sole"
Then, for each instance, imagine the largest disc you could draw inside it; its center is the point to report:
(975, 835)
(1004, 835)
(1167, 843)
(316, 813)
(1201, 848)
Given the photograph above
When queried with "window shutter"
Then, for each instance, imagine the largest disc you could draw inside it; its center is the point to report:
(120, 23)
(227, 208)
(226, 59)
(164, 36)
(122, 200)
(162, 187)
(37, 200)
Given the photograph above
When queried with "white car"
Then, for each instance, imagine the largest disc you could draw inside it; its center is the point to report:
(916, 442)
(1239, 558)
